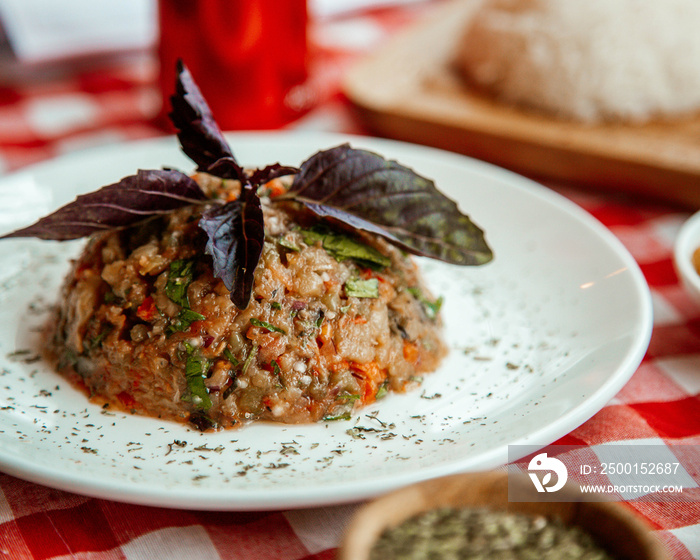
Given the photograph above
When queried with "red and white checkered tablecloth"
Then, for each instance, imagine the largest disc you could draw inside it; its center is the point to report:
(661, 403)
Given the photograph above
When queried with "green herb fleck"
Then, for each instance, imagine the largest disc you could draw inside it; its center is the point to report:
(267, 326)
(230, 357)
(382, 391)
(431, 308)
(196, 369)
(342, 247)
(249, 358)
(96, 341)
(355, 287)
(277, 371)
(287, 244)
(183, 320)
(276, 305)
(276, 368)
(179, 279)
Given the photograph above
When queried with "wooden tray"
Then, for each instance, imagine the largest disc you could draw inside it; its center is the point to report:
(410, 91)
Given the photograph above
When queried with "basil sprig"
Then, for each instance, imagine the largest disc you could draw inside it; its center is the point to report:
(344, 187)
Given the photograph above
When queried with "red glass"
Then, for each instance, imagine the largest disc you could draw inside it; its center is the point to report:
(249, 57)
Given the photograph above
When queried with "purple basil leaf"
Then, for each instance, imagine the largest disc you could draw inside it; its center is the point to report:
(133, 199)
(227, 168)
(236, 234)
(363, 190)
(344, 219)
(262, 176)
(200, 137)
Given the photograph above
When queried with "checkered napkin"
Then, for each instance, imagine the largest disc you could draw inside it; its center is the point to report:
(660, 404)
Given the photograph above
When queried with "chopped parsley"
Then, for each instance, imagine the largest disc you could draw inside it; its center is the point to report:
(249, 358)
(276, 368)
(431, 308)
(355, 287)
(96, 341)
(287, 244)
(277, 371)
(383, 390)
(183, 320)
(180, 277)
(267, 326)
(230, 357)
(196, 369)
(342, 247)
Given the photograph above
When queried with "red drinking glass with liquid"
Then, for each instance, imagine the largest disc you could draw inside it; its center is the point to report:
(248, 57)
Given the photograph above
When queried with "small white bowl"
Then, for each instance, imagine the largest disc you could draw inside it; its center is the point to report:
(687, 242)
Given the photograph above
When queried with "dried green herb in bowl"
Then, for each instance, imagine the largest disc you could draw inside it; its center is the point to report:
(470, 516)
(448, 533)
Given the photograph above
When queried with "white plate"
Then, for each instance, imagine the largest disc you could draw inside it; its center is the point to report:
(541, 339)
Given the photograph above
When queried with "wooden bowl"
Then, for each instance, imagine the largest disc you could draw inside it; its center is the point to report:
(612, 525)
